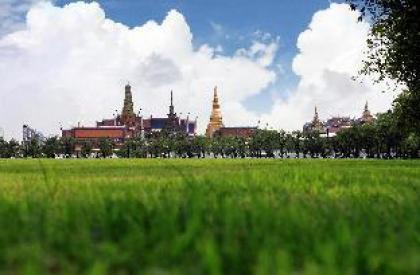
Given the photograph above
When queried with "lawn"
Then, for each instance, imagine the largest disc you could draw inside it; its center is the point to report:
(209, 216)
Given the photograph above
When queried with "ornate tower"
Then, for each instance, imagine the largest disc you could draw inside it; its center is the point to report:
(128, 117)
(215, 122)
(316, 123)
(367, 116)
(172, 124)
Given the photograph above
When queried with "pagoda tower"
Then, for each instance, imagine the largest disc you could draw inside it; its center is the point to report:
(215, 122)
(128, 117)
(316, 123)
(367, 116)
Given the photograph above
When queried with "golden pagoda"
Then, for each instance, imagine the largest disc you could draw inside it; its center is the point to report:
(215, 122)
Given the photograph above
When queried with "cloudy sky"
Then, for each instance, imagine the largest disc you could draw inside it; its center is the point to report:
(64, 62)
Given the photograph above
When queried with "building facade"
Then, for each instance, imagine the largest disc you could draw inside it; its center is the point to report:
(333, 125)
(243, 132)
(128, 124)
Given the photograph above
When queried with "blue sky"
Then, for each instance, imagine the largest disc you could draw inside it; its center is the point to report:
(72, 62)
(231, 24)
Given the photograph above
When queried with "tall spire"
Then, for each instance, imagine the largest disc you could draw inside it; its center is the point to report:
(172, 123)
(171, 107)
(215, 122)
(128, 116)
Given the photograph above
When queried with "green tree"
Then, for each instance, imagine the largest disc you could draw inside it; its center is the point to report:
(32, 148)
(281, 142)
(105, 147)
(389, 135)
(411, 146)
(3, 147)
(86, 148)
(13, 149)
(200, 146)
(297, 142)
(216, 146)
(394, 41)
(368, 138)
(67, 146)
(407, 112)
(394, 47)
(51, 147)
(140, 147)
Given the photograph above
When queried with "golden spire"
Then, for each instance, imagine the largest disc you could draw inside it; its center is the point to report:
(215, 122)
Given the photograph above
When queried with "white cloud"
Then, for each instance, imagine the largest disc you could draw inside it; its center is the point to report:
(330, 54)
(70, 64)
(263, 53)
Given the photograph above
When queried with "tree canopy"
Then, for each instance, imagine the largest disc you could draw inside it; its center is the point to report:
(394, 53)
(394, 41)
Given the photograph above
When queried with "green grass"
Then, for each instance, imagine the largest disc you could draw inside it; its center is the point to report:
(209, 217)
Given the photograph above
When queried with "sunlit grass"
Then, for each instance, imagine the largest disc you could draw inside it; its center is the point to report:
(210, 216)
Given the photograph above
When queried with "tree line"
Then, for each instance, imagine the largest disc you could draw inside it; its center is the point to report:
(393, 53)
(383, 138)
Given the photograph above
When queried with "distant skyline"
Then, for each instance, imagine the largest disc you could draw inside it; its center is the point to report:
(273, 61)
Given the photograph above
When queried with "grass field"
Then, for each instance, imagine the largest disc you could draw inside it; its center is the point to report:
(209, 216)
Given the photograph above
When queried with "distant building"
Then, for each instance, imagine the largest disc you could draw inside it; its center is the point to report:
(216, 128)
(128, 124)
(244, 132)
(316, 125)
(335, 124)
(29, 134)
(367, 117)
